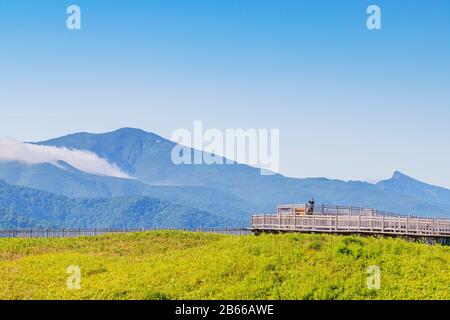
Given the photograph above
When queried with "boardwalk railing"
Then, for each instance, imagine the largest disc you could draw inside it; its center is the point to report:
(335, 209)
(346, 223)
(67, 233)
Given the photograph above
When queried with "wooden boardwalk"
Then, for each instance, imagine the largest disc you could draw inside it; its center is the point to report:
(352, 220)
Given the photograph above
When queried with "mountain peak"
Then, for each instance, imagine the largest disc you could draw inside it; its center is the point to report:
(399, 175)
(133, 131)
(129, 135)
(399, 179)
(126, 137)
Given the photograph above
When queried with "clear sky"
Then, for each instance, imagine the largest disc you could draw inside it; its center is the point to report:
(350, 103)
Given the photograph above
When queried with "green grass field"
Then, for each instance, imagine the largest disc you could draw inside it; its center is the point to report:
(181, 265)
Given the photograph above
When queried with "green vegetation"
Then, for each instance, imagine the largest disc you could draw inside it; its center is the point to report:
(28, 208)
(182, 265)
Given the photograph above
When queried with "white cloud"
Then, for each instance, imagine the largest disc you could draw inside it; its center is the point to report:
(13, 150)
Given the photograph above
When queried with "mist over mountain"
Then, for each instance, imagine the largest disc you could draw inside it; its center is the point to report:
(224, 194)
(67, 181)
(13, 150)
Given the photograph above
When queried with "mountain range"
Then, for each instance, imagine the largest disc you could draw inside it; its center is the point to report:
(163, 194)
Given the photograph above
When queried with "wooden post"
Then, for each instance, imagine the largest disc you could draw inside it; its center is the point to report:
(407, 225)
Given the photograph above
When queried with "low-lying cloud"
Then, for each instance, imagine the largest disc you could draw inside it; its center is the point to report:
(13, 150)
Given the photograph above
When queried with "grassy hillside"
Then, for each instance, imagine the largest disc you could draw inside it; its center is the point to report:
(180, 265)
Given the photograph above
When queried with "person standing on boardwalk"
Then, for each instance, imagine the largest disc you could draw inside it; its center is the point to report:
(311, 205)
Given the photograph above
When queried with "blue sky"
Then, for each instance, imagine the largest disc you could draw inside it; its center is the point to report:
(350, 103)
